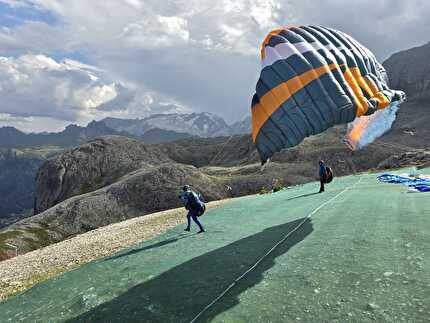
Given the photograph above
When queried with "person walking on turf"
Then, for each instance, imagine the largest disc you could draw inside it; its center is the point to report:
(322, 174)
(194, 205)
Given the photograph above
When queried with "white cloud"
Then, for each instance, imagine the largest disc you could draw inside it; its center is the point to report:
(37, 85)
(193, 54)
(198, 54)
(158, 32)
(32, 124)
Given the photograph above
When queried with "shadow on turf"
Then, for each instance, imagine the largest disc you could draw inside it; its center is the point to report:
(180, 293)
(300, 196)
(152, 246)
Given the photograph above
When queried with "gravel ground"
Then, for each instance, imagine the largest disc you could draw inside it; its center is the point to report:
(24, 271)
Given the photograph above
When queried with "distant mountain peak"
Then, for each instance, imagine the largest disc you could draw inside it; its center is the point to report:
(201, 124)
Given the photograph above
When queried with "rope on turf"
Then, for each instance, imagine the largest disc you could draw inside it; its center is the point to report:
(270, 251)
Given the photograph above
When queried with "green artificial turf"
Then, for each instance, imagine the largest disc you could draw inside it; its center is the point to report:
(361, 257)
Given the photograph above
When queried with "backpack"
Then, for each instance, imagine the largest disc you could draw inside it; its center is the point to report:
(329, 175)
(195, 203)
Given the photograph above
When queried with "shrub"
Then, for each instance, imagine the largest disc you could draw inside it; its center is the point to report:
(264, 190)
(276, 185)
(85, 188)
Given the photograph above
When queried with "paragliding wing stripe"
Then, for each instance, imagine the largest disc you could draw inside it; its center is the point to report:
(362, 70)
(310, 118)
(381, 85)
(360, 99)
(285, 69)
(345, 59)
(381, 98)
(344, 111)
(303, 98)
(360, 73)
(282, 131)
(366, 52)
(299, 64)
(361, 82)
(359, 59)
(267, 105)
(361, 51)
(267, 40)
(284, 51)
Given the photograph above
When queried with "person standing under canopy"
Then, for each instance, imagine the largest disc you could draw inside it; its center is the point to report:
(194, 205)
(322, 174)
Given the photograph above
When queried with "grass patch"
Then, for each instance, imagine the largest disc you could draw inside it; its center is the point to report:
(42, 237)
(7, 235)
(85, 188)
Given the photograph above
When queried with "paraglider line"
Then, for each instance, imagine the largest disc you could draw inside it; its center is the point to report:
(221, 150)
(224, 145)
(271, 250)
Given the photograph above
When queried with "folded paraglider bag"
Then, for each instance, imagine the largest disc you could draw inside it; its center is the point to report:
(329, 175)
(202, 209)
(195, 203)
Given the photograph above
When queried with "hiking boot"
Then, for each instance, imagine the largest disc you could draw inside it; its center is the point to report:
(187, 229)
(201, 231)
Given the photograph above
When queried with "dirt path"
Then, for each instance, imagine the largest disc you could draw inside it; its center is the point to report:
(24, 271)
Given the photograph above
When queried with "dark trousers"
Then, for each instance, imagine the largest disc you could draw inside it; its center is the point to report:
(322, 181)
(192, 215)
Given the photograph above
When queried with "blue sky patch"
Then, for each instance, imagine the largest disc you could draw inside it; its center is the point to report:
(79, 56)
(15, 16)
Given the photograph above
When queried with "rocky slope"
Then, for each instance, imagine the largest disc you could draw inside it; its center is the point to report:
(409, 70)
(88, 167)
(144, 191)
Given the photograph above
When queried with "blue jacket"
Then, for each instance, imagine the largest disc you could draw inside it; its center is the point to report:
(322, 170)
(187, 199)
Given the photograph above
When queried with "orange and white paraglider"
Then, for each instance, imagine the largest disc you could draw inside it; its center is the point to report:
(313, 78)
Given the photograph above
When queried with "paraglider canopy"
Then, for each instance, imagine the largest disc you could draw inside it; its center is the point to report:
(311, 79)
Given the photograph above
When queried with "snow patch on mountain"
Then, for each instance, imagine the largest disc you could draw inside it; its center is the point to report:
(197, 124)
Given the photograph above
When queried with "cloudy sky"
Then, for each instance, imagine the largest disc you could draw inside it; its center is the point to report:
(72, 61)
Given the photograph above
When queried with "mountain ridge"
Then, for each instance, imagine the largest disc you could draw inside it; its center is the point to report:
(156, 128)
(220, 162)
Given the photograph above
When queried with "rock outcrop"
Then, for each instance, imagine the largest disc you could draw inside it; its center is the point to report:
(90, 166)
(409, 70)
(147, 190)
(415, 158)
